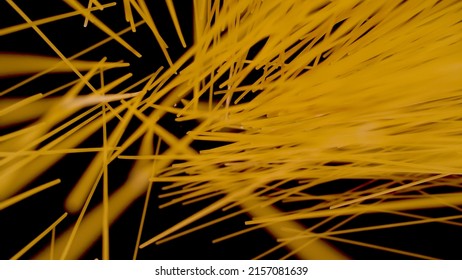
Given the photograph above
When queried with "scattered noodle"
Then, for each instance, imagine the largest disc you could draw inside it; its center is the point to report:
(307, 116)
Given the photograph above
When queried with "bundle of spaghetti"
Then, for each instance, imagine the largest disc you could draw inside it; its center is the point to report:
(368, 91)
(292, 95)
